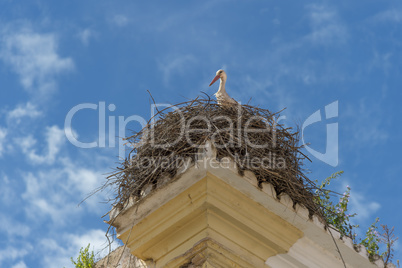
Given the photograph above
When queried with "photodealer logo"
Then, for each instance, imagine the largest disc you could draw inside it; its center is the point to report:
(331, 152)
(108, 124)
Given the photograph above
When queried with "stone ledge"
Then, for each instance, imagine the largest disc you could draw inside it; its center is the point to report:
(198, 216)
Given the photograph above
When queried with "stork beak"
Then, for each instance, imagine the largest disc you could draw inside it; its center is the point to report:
(214, 80)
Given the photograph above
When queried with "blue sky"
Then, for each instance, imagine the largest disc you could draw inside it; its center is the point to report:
(303, 55)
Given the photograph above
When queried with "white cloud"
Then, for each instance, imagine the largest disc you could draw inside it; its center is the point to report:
(84, 179)
(360, 204)
(85, 35)
(12, 253)
(275, 96)
(3, 134)
(7, 195)
(380, 61)
(56, 192)
(13, 228)
(55, 139)
(120, 20)
(33, 56)
(27, 110)
(58, 253)
(51, 198)
(20, 264)
(9, 137)
(95, 237)
(46, 196)
(175, 65)
(327, 27)
(392, 15)
(26, 143)
(367, 127)
(397, 250)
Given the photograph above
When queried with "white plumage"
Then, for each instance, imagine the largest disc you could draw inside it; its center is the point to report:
(222, 96)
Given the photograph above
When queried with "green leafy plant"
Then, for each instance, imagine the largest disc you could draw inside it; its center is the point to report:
(372, 240)
(336, 214)
(85, 259)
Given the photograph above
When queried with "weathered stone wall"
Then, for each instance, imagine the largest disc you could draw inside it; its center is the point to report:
(120, 258)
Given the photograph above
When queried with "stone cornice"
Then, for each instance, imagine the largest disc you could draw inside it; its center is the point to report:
(210, 214)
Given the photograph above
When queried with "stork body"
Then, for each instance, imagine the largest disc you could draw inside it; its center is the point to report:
(222, 96)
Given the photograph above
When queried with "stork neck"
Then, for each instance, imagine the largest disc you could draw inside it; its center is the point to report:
(222, 86)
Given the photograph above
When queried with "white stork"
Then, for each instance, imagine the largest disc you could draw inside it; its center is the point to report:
(221, 96)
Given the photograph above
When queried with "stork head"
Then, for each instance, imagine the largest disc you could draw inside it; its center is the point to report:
(219, 74)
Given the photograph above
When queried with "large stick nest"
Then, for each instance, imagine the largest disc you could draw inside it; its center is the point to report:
(249, 136)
